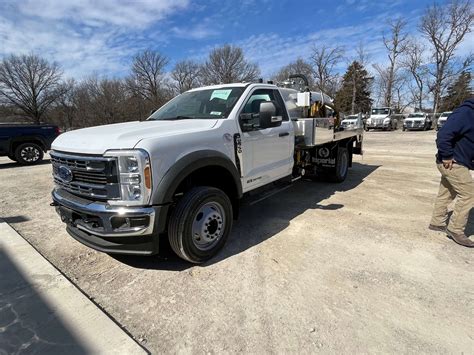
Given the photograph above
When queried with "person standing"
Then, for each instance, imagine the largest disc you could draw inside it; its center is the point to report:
(455, 159)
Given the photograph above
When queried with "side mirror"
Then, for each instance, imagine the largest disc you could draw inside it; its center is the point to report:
(267, 115)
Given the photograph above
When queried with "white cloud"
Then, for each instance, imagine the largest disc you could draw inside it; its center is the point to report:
(133, 14)
(84, 36)
(202, 30)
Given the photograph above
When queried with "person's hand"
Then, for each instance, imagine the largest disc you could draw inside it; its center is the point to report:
(448, 164)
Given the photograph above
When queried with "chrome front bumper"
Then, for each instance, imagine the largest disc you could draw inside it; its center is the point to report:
(111, 229)
(101, 219)
(377, 125)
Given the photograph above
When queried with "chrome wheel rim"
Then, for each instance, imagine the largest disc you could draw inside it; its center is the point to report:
(30, 154)
(208, 225)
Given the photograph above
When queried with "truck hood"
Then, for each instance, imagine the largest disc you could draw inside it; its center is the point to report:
(350, 120)
(97, 140)
(378, 117)
(415, 119)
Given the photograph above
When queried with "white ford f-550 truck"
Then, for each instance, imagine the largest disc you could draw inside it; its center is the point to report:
(182, 172)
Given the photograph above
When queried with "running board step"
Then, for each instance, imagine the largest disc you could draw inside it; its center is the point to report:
(256, 197)
(264, 196)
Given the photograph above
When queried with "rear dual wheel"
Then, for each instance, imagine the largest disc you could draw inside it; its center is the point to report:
(339, 172)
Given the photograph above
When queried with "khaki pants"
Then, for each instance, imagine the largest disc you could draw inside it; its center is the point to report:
(456, 182)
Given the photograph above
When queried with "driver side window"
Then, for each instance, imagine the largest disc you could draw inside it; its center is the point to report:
(249, 116)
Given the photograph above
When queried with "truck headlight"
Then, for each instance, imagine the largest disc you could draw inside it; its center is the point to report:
(134, 172)
(386, 121)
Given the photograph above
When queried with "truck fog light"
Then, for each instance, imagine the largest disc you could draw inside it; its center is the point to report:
(126, 223)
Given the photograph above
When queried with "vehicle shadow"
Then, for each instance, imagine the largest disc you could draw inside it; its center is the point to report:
(27, 323)
(262, 220)
(14, 164)
(15, 219)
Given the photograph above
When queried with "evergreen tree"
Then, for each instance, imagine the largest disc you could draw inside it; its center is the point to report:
(457, 93)
(354, 95)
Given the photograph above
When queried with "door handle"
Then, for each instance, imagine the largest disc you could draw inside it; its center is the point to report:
(284, 134)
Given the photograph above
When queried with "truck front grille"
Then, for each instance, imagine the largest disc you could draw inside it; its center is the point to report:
(87, 176)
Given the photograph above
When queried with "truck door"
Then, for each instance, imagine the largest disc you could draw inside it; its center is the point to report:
(267, 154)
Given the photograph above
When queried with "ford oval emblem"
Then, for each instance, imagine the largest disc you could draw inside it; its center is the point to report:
(65, 173)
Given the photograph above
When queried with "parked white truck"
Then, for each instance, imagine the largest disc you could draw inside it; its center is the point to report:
(381, 118)
(419, 121)
(442, 119)
(183, 171)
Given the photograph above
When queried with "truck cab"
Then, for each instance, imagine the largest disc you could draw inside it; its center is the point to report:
(419, 121)
(183, 172)
(353, 121)
(381, 118)
(442, 119)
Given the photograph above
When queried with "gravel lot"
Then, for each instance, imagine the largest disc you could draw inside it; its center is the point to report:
(318, 268)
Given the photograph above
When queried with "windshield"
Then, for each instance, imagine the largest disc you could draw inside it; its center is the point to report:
(380, 111)
(201, 104)
(445, 114)
(352, 117)
(414, 115)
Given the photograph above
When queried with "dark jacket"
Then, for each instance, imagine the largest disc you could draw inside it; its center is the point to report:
(456, 137)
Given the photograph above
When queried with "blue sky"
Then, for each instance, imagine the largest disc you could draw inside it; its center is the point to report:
(100, 37)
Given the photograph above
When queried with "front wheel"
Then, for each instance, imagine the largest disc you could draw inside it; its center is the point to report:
(28, 154)
(200, 224)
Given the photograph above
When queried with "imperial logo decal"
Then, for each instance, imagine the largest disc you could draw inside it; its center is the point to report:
(323, 152)
(65, 173)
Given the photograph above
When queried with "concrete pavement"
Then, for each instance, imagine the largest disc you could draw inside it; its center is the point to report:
(41, 311)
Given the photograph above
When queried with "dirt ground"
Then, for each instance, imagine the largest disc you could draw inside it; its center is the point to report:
(331, 268)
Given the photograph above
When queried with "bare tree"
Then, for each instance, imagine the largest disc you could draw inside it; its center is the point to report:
(414, 62)
(30, 83)
(65, 106)
(381, 83)
(300, 66)
(360, 80)
(324, 60)
(147, 79)
(361, 55)
(445, 27)
(102, 101)
(187, 75)
(396, 44)
(401, 97)
(226, 65)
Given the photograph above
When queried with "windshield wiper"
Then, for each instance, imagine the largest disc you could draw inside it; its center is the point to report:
(178, 118)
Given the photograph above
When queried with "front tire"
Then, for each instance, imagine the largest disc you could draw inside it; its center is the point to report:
(28, 154)
(200, 224)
